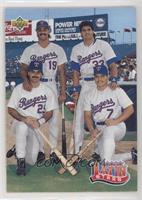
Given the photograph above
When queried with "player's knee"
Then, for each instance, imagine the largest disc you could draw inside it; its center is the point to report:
(108, 132)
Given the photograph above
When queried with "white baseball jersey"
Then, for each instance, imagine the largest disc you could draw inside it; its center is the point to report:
(52, 56)
(106, 104)
(84, 58)
(34, 103)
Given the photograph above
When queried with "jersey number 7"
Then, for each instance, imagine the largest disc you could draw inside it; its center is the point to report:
(110, 112)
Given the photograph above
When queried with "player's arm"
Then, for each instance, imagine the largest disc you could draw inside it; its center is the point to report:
(15, 114)
(62, 80)
(29, 120)
(24, 71)
(113, 70)
(127, 112)
(24, 74)
(36, 123)
(111, 60)
(89, 123)
(51, 104)
(113, 75)
(46, 116)
(76, 76)
(75, 66)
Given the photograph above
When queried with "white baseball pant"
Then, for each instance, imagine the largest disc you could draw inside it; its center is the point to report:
(27, 143)
(79, 121)
(53, 123)
(106, 143)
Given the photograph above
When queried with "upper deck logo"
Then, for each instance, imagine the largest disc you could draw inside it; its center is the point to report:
(20, 23)
(113, 172)
(18, 27)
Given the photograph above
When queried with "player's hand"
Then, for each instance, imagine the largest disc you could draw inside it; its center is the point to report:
(27, 85)
(28, 119)
(62, 97)
(95, 132)
(111, 122)
(32, 122)
(35, 124)
(113, 85)
(75, 96)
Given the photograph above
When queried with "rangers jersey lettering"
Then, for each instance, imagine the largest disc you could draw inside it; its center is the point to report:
(51, 56)
(34, 103)
(48, 56)
(87, 59)
(84, 58)
(106, 104)
(26, 103)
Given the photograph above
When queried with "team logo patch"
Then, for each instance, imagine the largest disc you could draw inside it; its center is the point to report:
(110, 172)
(36, 64)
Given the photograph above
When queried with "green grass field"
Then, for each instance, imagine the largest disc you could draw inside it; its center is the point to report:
(47, 180)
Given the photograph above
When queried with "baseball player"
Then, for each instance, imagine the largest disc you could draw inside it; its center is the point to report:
(30, 110)
(84, 57)
(53, 58)
(104, 106)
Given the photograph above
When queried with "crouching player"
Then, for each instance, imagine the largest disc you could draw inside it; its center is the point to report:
(108, 109)
(30, 110)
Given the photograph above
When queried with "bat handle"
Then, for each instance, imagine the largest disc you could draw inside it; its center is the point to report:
(63, 111)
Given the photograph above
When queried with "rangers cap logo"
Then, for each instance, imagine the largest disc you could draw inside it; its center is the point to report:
(101, 69)
(35, 65)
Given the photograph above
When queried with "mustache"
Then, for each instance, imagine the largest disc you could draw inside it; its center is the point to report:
(35, 77)
(40, 34)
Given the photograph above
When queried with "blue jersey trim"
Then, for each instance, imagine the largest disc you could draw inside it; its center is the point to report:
(115, 59)
(75, 66)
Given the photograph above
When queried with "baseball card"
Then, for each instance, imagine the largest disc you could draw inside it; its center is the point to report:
(71, 100)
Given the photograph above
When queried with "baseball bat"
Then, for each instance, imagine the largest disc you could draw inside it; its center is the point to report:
(72, 140)
(64, 161)
(64, 146)
(80, 154)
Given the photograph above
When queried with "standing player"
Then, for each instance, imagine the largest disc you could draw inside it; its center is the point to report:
(104, 106)
(84, 57)
(53, 58)
(30, 110)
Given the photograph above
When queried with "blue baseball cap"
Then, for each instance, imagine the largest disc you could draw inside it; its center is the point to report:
(35, 65)
(42, 24)
(101, 69)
